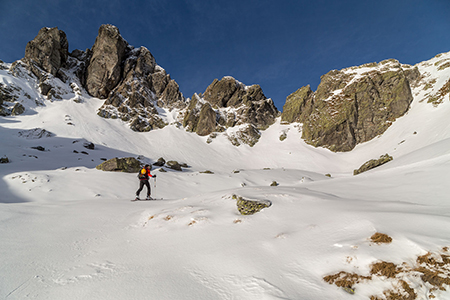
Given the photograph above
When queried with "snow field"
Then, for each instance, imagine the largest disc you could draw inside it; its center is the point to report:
(69, 231)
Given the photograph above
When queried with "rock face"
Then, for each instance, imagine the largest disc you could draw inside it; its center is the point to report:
(105, 67)
(46, 56)
(141, 93)
(250, 103)
(131, 81)
(350, 106)
(49, 51)
(228, 103)
(353, 105)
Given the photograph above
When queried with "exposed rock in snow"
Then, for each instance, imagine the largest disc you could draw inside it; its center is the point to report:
(353, 105)
(48, 51)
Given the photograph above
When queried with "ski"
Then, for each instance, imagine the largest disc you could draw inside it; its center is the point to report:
(153, 199)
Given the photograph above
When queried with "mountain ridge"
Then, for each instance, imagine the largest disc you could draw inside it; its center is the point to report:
(349, 107)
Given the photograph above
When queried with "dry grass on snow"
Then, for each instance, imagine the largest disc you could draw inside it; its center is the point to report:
(431, 269)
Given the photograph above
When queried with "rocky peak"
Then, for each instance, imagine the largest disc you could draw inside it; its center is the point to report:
(105, 66)
(48, 51)
(130, 81)
(228, 103)
(228, 92)
(353, 105)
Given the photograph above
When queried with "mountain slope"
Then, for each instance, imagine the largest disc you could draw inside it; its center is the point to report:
(69, 231)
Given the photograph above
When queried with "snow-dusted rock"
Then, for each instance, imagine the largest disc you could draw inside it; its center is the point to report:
(105, 67)
(353, 105)
(227, 103)
(48, 51)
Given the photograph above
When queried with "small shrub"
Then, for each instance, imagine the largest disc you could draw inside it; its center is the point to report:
(381, 238)
(383, 268)
(344, 279)
(431, 268)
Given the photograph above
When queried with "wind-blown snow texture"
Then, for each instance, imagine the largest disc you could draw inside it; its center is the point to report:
(69, 231)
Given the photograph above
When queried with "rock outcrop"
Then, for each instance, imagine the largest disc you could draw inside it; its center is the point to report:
(46, 56)
(353, 105)
(49, 51)
(139, 92)
(349, 107)
(131, 81)
(105, 66)
(228, 103)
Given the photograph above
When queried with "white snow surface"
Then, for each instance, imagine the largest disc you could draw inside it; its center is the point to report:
(70, 231)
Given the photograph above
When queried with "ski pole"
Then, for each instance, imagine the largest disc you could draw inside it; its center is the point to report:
(154, 186)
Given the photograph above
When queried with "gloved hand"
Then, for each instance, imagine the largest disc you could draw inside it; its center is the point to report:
(154, 176)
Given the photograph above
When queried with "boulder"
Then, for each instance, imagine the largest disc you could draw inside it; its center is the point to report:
(105, 66)
(89, 145)
(49, 50)
(174, 165)
(373, 163)
(17, 109)
(161, 162)
(127, 164)
(250, 207)
(39, 148)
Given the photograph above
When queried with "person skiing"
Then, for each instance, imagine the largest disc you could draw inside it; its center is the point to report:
(143, 176)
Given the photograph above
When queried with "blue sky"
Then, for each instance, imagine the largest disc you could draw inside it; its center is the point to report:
(281, 45)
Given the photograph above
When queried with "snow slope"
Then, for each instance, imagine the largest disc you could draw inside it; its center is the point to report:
(69, 231)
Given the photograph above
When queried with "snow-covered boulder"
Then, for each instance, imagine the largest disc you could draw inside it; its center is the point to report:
(250, 207)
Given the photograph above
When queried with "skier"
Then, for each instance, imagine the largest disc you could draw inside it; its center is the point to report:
(143, 176)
